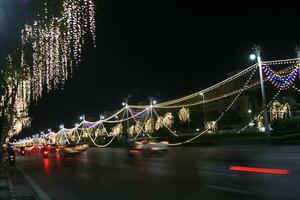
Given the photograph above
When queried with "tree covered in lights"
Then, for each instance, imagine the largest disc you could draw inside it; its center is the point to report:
(48, 48)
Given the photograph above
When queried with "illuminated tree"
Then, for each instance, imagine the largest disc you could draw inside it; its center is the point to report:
(49, 48)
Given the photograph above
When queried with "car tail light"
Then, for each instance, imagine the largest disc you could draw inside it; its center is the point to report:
(135, 151)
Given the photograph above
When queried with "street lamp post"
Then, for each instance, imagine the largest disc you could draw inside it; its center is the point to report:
(204, 109)
(257, 51)
(297, 49)
(125, 103)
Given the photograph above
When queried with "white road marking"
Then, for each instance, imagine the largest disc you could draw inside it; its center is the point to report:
(41, 194)
(11, 190)
(228, 189)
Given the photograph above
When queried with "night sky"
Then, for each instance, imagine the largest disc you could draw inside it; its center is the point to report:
(161, 49)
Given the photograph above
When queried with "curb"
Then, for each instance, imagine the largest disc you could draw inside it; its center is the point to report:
(10, 185)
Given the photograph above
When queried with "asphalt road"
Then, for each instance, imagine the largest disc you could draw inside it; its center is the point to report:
(181, 173)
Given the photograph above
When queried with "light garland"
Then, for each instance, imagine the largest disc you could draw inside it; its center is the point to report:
(141, 113)
(280, 80)
(184, 115)
(259, 114)
(49, 48)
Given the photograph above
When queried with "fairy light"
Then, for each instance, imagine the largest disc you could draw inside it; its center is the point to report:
(56, 43)
(184, 115)
(168, 120)
(283, 79)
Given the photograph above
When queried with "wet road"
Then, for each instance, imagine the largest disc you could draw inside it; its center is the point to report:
(182, 173)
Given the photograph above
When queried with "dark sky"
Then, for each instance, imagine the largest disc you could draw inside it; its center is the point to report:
(164, 49)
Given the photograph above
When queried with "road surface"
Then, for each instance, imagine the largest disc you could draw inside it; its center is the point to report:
(181, 173)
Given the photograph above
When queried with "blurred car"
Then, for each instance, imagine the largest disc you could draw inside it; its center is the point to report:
(75, 148)
(45, 150)
(55, 148)
(151, 145)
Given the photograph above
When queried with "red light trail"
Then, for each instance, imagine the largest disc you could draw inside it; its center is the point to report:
(259, 170)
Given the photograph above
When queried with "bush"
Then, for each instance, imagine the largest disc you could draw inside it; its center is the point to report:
(289, 123)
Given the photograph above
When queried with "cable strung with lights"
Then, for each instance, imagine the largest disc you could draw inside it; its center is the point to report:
(140, 119)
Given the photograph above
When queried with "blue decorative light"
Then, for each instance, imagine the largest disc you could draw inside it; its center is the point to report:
(283, 79)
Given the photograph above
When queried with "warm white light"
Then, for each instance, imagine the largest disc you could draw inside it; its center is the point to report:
(252, 56)
(201, 93)
(123, 104)
(249, 111)
(197, 129)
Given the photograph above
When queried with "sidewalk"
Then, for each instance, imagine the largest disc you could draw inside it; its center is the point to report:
(13, 184)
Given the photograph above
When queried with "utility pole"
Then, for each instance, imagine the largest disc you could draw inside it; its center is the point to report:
(257, 51)
(204, 109)
(297, 49)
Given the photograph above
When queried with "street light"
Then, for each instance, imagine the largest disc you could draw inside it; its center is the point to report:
(61, 126)
(249, 111)
(204, 110)
(297, 49)
(123, 104)
(154, 102)
(253, 56)
(82, 117)
(257, 50)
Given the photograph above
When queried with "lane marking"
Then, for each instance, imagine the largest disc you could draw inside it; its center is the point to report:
(259, 170)
(217, 173)
(41, 194)
(229, 189)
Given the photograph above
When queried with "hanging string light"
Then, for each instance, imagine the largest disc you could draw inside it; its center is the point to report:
(149, 126)
(159, 123)
(138, 128)
(131, 130)
(50, 47)
(168, 119)
(282, 80)
(184, 115)
(117, 129)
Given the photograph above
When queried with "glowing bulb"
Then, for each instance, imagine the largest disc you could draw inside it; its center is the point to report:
(252, 56)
